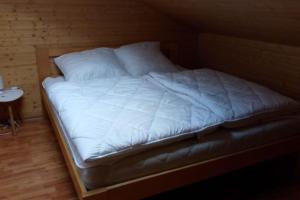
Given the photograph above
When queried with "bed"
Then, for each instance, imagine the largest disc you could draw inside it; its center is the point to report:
(157, 168)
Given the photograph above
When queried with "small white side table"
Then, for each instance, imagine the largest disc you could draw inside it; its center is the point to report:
(8, 97)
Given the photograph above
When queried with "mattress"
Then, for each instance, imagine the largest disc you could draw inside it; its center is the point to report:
(221, 142)
(116, 117)
(190, 150)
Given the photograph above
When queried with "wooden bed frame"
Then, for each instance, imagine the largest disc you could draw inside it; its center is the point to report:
(163, 181)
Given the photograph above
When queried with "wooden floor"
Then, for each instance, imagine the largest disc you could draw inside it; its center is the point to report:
(32, 167)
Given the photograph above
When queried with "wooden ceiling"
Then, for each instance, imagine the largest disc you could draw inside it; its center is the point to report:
(276, 21)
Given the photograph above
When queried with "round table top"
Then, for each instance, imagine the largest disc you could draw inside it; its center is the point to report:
(10, 95)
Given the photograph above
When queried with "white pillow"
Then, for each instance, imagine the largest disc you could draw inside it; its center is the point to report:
(90, 64)
(141, 58)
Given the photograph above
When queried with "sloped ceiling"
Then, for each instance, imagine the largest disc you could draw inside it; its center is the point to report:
(275, 21)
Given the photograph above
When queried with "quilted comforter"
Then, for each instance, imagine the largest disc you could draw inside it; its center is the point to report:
(113, 117)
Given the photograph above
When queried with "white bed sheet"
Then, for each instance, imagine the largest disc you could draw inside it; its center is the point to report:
(223, 141)
(109, 118)
(98, 173)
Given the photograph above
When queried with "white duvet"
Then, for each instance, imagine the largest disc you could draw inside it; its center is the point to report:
(112, 117)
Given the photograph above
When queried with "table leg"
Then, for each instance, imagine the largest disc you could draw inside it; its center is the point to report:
(11, 119)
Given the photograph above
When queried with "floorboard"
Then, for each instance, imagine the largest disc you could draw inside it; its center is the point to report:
(32, 167)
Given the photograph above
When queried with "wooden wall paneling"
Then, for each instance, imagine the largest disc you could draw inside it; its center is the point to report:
(275, 21)
(274, 65)
(25, 24)
(24, 76)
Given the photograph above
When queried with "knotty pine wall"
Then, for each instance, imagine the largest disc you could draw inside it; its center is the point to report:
(27, 23)
(274, 65)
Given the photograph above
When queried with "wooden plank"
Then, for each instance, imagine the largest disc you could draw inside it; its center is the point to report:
(273, 65)
(32, 166)
(42, 59)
